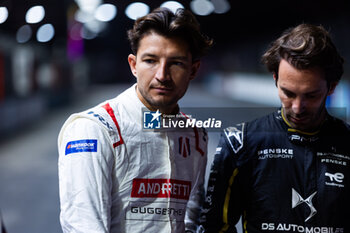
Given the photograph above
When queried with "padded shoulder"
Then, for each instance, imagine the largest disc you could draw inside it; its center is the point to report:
(105, 117)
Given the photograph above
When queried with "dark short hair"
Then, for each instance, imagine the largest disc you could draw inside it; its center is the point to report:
(305, 46)
(164, 22)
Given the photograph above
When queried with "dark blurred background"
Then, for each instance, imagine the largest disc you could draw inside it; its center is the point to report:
(63, 56)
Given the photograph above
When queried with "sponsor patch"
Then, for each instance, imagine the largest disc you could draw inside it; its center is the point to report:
(87, 145)
(218, 150)
(335, 179)
(288, 227)
(335, 158)
(156, 211)
(235, 137)
(161, 188)
(297, 200)
(276, 153)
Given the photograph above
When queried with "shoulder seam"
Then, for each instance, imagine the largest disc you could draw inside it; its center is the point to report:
(110, 112)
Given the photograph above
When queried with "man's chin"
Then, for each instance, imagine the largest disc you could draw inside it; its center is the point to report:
(161, 104)
(308, 121)
(305, 126)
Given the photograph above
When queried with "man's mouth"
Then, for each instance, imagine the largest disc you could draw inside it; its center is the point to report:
(298, 120)
(162, 89)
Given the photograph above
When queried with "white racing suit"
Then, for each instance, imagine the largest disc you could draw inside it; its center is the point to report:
(115, 176)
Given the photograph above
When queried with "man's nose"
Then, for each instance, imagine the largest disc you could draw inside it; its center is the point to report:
(298, 105)
(162, 73)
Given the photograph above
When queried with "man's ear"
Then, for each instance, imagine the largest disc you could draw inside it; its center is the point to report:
(332, 87)
(194, 69)
(132, 64)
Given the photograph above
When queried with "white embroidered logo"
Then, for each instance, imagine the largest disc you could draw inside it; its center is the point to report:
(297, 200)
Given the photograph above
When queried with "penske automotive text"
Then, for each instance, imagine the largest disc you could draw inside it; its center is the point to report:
(275, 153)
(161, 188)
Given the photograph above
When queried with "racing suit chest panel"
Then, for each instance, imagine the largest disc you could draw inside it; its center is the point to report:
(333, 161)
(158, 192)
(158, 152)
(277, 169)
(157, 172)
(284, 175)
(274, 168)
(166, 188)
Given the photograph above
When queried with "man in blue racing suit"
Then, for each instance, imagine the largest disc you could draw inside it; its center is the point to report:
(288, 171)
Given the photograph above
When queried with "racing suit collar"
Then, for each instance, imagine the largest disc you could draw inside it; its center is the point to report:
(290, 129)
(299, 136)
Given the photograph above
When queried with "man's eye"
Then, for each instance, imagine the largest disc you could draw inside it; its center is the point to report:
(311, 96)
(149, 61)
(289, 94)
(178, 63)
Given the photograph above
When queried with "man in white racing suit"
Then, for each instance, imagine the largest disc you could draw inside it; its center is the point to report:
(116, 176)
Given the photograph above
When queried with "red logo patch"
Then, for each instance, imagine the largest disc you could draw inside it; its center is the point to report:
(161, 188)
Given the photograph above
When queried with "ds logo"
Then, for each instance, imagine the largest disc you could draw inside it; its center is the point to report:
(297, 200)
(151, 120)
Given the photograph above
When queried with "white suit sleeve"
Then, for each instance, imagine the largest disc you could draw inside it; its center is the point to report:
(86, 160)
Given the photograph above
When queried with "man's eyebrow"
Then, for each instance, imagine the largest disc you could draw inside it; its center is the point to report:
(286, 90)
(291, 92)
(312, 92)
(183, 58)
(179, 58)
(148, 55)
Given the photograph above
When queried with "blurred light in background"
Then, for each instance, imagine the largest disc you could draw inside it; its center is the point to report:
(136, 10)
(93, 15)
(91, 26)
(221, 6)
(46, 76)
(88, 5)
(75, 31)
(340, 100)
(202, 7)
(95, 26)
(87, 34)
(83, 16)
(35, 14)
(341, 96)
(172, 5)
(23, 34)
(75, 44)
(45, 33)
(3, 14)
(22, 69)
(105, 12)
